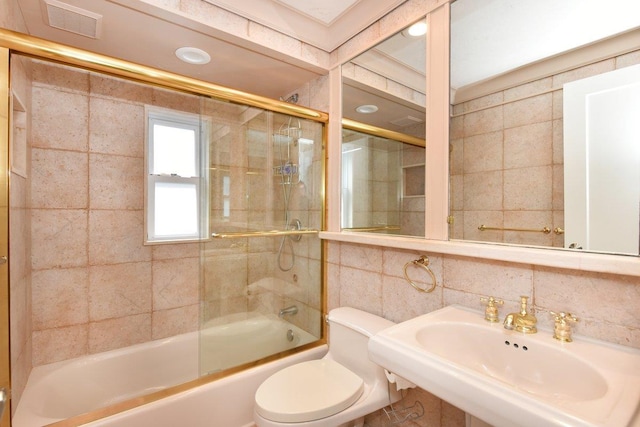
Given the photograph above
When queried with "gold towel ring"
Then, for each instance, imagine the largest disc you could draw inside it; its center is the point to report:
(423, 262)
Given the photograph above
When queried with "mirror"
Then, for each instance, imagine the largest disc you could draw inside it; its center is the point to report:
(523, 144)
(383, 137)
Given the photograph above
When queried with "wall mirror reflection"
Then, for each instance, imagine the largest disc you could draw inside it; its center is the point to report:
(383, 138)
(543, 140)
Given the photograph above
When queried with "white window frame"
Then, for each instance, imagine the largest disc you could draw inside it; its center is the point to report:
(178, 119)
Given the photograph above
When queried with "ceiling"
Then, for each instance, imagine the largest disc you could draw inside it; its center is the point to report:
(132, 30)
(490, 37)
(325, 24)
(477, 47)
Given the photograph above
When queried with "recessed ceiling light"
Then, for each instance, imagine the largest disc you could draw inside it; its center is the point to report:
(418, 29)
(367, 109)
(193, 55)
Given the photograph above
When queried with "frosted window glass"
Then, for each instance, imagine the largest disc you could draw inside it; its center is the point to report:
(226, 185)
(174, 151)
(176, 209)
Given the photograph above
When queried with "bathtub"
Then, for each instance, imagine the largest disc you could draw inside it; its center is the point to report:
(65, 389)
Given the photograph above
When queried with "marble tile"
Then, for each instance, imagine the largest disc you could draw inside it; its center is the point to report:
(176, 283)
(626, 60)
(59, 238)
(528, 145)
(119, 290)
(107, 115)
(558, 104)
(558, 187)
(558, 142)
(172, 251)
(59, 77)
(175, 321)
(333, 286)
(484, 102)
(528, 89)
(173, 100)
(528, 111)
(589, 295)
(583, 72)
(456, 192)
(275, 40)
(53, 345)
(400, 301)
(117, 236)
(120, 332)
(361, 289)
(483, 121)
(366, 77)
(61, 297)
(528, 188)
(452, 416)
(215, 17)
(456, 156)
(62, 120)
(500, 279)
(120, 89)
(226, 276)
(116, 182)
(59, 179)
(484, 152)
(361, 256)
(483, 191)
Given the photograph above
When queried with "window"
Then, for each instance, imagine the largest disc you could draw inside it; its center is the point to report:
(176, 160)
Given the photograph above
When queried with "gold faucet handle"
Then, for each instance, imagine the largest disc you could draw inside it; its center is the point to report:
(491, 310)
(564, 317)
(491, 300)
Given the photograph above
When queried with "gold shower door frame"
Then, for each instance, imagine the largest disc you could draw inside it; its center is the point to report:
(5, 372)
(19, 43)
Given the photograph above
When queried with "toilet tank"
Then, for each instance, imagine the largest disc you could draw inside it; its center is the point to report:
(349, 333)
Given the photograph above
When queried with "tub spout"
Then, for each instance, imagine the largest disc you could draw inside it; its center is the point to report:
(293, 309)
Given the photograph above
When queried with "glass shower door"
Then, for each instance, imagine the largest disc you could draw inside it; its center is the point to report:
(261, 288)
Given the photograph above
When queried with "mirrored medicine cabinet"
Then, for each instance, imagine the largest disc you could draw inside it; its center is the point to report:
(529, 163)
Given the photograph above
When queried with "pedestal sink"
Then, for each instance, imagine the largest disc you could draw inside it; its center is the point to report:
(510, 379)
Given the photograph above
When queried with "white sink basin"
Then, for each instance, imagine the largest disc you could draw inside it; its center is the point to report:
(507, 378)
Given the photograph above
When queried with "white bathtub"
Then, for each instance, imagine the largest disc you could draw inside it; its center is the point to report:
(64, 389)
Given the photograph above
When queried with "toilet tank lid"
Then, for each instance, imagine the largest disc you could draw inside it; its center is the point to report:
(365, 323)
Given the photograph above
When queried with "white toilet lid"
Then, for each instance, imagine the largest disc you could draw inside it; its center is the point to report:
(308, 391)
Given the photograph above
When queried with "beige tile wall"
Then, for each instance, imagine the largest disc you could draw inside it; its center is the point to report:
(95, 286)
(507, 159)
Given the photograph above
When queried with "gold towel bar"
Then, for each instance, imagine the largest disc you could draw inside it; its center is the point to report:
(545, 230)
(268, 233)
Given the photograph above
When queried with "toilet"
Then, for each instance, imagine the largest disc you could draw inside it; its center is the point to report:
(337, 390)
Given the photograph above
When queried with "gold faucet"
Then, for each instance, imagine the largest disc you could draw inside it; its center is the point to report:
(523, 321)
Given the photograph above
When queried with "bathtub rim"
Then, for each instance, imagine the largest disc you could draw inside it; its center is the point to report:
(135, 402)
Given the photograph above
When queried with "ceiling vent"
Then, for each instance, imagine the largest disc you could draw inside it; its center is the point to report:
(406, 121)
(71, 18)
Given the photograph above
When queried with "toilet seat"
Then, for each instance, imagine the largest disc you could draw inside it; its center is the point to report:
(308, 391)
